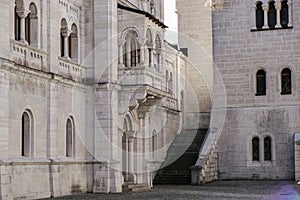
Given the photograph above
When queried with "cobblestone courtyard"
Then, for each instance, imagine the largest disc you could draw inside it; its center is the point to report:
(265, 190)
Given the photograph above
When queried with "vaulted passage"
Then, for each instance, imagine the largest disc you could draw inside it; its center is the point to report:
(185, 151)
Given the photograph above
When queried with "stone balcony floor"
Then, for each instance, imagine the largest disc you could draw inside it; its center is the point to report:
(227, 190)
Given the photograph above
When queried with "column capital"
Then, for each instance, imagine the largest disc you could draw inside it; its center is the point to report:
(65, 32)
(265, 7)
(278, 6)
(22, 12)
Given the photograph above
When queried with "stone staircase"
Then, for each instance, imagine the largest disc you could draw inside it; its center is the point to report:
(182, 154)
(135, 187)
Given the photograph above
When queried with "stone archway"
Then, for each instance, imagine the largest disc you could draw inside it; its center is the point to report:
(128, 151)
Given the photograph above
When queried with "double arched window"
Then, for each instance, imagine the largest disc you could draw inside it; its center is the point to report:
(267, 147)
(69, 43)
(286, 82)
(26, 23)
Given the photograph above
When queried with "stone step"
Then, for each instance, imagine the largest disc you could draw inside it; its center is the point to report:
(135, 187)
(182, 154)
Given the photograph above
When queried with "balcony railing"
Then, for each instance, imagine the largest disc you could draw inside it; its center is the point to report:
(29, 56)
(70, 69)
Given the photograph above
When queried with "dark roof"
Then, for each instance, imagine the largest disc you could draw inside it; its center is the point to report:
(146, 14)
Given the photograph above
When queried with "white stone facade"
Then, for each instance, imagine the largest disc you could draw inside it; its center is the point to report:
(254, 137)
(91, 93)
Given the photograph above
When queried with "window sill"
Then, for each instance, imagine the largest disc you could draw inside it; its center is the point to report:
(268, 29)
(260, 95)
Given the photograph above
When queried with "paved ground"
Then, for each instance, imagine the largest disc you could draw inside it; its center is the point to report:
(251, 190)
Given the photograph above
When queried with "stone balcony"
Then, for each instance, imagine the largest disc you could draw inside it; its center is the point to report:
(24, 54)
(141, 75)
(70, 69)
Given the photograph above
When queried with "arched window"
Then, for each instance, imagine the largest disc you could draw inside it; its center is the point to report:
(70, 138)
(64, 39)
(267, 149)
(20, 14)
(260, 82)
(286, 81)
(255, 149)
(149, 44)
(27, 134)
(284, 14)
(259, 15)
(158, 52)
(272, 15)
(132, 50)
(73, 43)
(154, 145)
(31, 28)
(17, 25)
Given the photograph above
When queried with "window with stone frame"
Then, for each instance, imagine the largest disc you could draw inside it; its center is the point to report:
(255, 149)
(131, 49)
(27, 134)
(273, 14)
(26, 23)
(286, 81)
(70, 138)
(267, 148)
(261, 83)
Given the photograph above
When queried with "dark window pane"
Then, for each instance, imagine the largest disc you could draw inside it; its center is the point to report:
(267, 149)
(259, 16)
(286, 81)
(261, 82)
(272, 15)
(284, 14)
(255, 149)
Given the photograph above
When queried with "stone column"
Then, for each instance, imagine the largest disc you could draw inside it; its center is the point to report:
(121, 46)
(22, 13)
(66, 34)
(151, 55)
(142, 52)
(146, 54)
(290, 5)
(131, 159)
(278, 8)
(266, 9)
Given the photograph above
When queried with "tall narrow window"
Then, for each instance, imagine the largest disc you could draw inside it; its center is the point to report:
(272, 15)
(64, 40)
(17, 25)
(255, 149)
(286, 81)
(131, 56)
(260, 82)
(284, 14)
(158, 52)
(154, 146)
(73, 43)
(70, 138)
(267, 149)
(259, 15)
(27, 128)
(32, 26)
